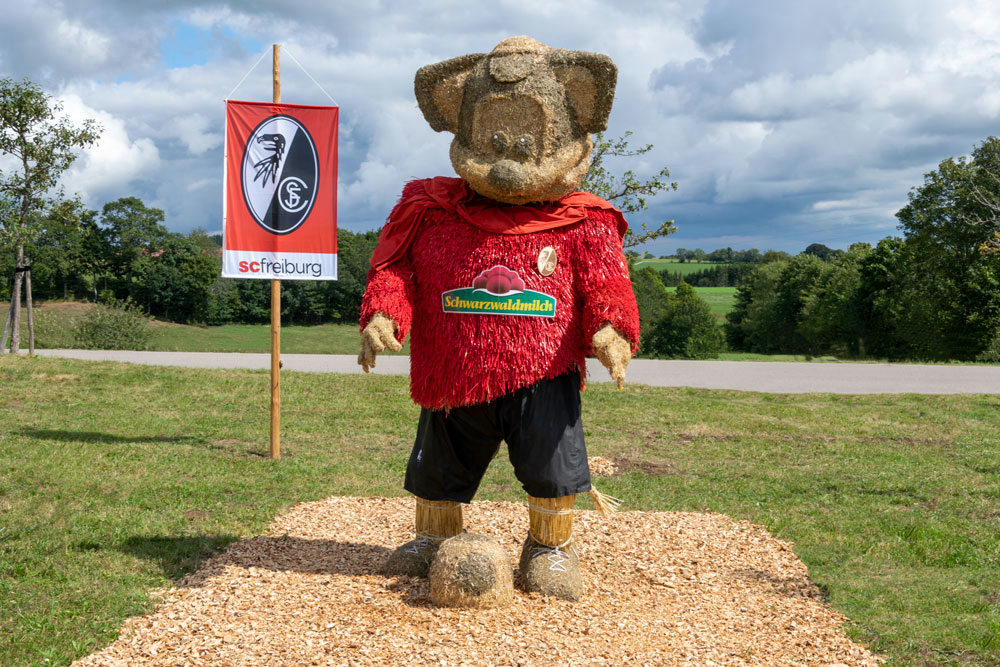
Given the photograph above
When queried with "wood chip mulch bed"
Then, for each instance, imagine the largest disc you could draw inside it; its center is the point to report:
(664, 588)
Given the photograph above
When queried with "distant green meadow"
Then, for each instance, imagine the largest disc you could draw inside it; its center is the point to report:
(674, 266)
(719, 299)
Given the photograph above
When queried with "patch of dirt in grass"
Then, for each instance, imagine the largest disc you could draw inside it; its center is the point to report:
(172, 325)
(906, 440)
(692, 435)
(77, 307)
(59, 377)
(626, 465)
(718, 437)
(240, 450)
(664, 588)
(694, 430)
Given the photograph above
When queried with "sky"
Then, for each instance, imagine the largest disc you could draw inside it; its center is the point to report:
(784, 122)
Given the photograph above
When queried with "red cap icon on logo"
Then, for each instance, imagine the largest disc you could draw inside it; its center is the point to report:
(498, 280)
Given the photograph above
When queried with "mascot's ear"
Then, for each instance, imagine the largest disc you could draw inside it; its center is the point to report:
(590, 80)
(439, 89)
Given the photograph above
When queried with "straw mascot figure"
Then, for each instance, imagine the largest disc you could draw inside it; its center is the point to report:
(505, 279)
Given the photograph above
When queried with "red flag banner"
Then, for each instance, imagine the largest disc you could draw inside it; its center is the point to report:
(280, 192)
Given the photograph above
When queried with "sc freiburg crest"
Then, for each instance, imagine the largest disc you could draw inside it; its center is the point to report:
(280, 174)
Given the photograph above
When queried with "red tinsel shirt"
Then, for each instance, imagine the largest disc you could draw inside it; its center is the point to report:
(461, 358)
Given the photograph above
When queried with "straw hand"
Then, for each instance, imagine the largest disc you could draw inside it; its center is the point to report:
(614, 351)
(379, 335)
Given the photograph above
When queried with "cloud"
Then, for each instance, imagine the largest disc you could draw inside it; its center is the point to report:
(115, 159)
(53, 42)
(848, 101)
(783, 122)
(837, 204)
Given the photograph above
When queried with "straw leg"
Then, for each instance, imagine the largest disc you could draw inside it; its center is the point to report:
(439, 519)
(551, 519)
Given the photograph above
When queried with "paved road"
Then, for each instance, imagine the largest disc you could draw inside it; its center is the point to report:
(770, 376)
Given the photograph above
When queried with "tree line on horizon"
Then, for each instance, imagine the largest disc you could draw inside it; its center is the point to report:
(933, 293)
(125, 254)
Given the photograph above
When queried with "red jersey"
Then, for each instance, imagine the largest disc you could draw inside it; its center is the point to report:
(485, 318)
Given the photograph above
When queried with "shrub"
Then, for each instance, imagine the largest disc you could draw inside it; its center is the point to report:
(992, 353)
(53, 330)
(687, 330)
(114, 326)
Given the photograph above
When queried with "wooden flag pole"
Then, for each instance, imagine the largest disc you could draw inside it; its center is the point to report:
(276, 305)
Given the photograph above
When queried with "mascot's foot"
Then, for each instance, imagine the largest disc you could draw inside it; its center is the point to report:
(412, 559)
(471, 571)
(551, 571)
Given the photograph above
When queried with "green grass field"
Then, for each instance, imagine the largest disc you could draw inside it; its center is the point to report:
(116, 479)
(674, 266)
(719, 299)
(318, 339)
(55, 324)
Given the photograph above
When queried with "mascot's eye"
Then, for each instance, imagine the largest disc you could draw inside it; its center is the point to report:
(501, 142)
(525, 145)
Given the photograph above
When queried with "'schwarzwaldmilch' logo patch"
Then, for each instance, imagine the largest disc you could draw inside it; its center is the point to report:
(280, 173)
(498, 291)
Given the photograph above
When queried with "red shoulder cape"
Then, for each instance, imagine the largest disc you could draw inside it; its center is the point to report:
(454, 196)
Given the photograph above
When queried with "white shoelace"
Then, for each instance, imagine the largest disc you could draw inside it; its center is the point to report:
(556, 556)
(421, 542)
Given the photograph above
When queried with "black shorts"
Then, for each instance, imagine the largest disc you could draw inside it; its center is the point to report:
(544, 434)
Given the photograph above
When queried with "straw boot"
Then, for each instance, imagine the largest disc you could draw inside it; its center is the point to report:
(436, 521)
(549, 562)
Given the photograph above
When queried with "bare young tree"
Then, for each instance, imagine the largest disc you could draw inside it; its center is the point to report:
(627, 192)
(40, 145)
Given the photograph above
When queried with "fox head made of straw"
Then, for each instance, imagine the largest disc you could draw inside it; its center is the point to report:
(521, 114)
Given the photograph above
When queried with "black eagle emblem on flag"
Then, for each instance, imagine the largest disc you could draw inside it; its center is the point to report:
(268, 167)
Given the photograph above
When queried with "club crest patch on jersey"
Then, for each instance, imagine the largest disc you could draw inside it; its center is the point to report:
(280, 174)
(498, 291)
(547, 261)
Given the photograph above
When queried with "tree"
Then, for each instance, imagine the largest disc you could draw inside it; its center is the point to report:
(133, 231)
(775, 256)
(345, 294)
(751, 256)
(753, 323)
(627, 191)
(825, 253)
(832, 317)
(882, 301)
(42, 146)
(721, 256)
(177, 277)
(59, 250)
(948, 223)
(686, 330)
(651, 297)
